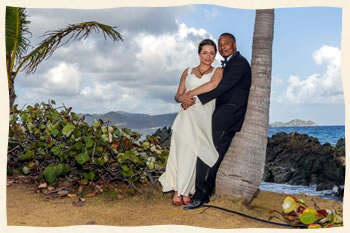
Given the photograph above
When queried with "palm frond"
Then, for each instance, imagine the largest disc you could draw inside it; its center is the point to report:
(54, 40)
(16, 33)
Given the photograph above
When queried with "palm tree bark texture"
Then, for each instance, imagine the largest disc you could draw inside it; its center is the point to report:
(241, 171)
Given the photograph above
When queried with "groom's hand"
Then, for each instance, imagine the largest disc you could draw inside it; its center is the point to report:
(187, 100)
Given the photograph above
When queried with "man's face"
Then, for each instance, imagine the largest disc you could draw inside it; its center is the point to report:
(226, 46)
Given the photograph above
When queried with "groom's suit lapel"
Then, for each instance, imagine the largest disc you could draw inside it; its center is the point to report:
(231, 59)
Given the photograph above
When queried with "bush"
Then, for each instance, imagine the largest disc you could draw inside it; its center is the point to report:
(49, 144)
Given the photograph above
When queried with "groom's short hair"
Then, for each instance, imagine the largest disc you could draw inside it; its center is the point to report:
(228, 34)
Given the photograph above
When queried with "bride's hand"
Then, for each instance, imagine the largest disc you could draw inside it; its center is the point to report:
(187, 98)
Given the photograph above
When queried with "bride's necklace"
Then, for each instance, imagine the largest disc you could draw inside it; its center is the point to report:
(202, 73)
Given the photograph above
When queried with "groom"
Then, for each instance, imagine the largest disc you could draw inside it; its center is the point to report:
(231, 104)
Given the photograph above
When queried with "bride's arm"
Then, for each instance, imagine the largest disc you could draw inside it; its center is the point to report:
(210, 85)
(181, 89)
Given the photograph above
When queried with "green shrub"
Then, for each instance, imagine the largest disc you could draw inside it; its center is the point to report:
(50, 144)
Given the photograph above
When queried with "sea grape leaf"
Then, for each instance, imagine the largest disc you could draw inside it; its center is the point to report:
(289, 204)
(314, 226)
(110, 129)
(104, 129)
(68, 129)
(55, 150)
(78, 145)
(82, 158)
(61, 169)
(28, 155)
(89, 142)
(96, 124)
(36, 130)
(54, 132)
(116, 144)
(65, 169)
(105, 137)
(91, 175)
(26, 170)
(126, 171)
(145, 145)
(50, 174)
(58, 170)
(308, 216)
(84, 181)
(29, 126)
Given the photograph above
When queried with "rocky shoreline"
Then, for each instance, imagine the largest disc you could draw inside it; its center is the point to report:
(298, 159)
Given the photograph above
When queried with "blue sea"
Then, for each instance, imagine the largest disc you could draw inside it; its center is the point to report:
(330, 134)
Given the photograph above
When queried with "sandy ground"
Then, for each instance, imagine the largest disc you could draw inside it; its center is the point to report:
(27, 208)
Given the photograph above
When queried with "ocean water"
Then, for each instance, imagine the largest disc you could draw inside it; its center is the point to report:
(299, 189)
(330, 134)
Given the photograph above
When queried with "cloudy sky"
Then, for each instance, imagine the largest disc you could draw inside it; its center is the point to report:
(141, 73)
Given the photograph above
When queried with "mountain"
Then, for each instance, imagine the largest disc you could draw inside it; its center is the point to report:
(133, 120)
(293, 123)
(145, 121)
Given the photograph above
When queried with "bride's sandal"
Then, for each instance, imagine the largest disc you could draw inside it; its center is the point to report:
(186, 200)
(176, 200)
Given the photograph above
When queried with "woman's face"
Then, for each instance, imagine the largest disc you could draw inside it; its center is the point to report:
(207, 54)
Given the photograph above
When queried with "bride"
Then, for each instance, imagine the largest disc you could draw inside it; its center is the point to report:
(192, 127)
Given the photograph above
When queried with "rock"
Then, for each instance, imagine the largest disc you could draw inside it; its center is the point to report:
(42, 186)
(300, 159)
(71, 195)
(164, 135)
(281, 174)
(325, 186)
(62, 193)
(341, 146)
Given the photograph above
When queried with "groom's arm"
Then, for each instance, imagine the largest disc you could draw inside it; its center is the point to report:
(232, 76)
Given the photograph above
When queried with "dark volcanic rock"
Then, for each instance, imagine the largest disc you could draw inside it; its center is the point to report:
(164, 135)
(300, 159)
(297, 159)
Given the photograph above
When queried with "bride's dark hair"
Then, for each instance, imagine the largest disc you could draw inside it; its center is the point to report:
(206, 42)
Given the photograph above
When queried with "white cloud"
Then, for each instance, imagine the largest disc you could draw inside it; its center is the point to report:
(140, 74)
(318, 88)
(63, 79)
(169, 52)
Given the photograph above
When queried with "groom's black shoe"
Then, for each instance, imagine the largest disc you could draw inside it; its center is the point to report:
(195, 203)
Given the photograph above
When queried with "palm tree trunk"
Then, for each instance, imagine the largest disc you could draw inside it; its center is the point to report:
(242, 169)
(12, 97)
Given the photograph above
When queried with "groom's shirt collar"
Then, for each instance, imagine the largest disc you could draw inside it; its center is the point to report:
(232, 55)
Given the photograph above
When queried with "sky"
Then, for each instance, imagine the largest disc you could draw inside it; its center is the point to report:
(141, 73)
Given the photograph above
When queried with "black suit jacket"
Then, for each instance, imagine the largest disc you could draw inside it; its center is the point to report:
(231, 96)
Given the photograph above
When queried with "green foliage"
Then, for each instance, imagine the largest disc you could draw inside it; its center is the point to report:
(45, 142)
(296, 212)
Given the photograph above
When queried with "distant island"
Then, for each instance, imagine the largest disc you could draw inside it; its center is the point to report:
(293, 123)
(144, 121)
(133, 120)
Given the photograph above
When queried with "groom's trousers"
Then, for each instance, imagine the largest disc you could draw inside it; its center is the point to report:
(205, 175)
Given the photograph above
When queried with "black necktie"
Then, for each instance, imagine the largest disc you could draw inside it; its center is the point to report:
(223, 62)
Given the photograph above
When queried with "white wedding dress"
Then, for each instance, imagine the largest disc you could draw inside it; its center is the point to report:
(191, 137)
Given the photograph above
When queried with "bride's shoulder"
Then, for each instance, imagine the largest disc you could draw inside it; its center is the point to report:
(187, 71)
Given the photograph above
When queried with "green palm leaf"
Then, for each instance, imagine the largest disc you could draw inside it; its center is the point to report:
(55, 39)
(16, 33)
